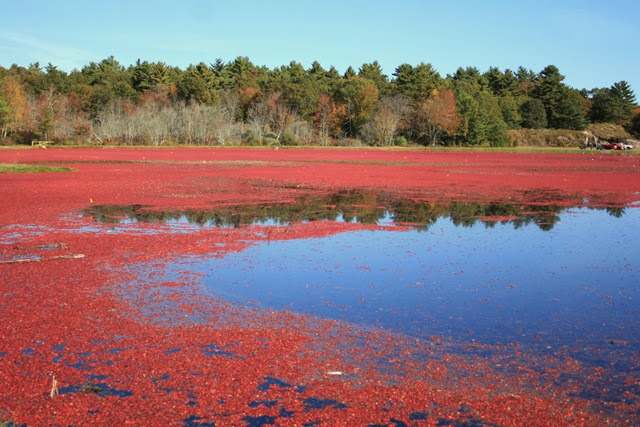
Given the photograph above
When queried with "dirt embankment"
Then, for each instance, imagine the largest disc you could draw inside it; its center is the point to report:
(565, 138)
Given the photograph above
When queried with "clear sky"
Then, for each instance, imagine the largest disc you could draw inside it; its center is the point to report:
(592, 42)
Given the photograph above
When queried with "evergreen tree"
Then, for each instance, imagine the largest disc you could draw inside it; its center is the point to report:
(472, 76)
(302, 93)
(533, 114)
(481, 118)
(162, 75)
(510, 111)
(56, 78)
(551, 91)
(613, 105)
(526, 80)
(333, 80)
(622, 91)
(373, 72)
(349, 73)
(243, 73)
(316, 69)
(359, 96)
(526, 76)
(416, 82)
(571, 111)
(198, 84)
(501, 84)
(141, 76)
(635, 125)
(109, 81)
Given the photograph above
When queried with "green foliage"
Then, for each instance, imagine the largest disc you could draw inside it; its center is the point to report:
(471, 76)
(360, 97)
(55, 78)
(622, 91)
(400, 141)
(289, 139)
(141, 79)
(46, 124)
(107, 81)
(38, 102)
(606, 108)
(300, 89)
(510, 111)
(5, 114)
(635, 126)
(525, 76)
(416, 82)
(613, 105)
(501, 84)
(198, 84)
(373, 72)
(565, 108)
(481, 117)
(571, 112)
(250, 138)
(533, 114)
(551, 91)
(349, 73)
(316, 69)
(270, 139)
(242, 73)
(526, 80)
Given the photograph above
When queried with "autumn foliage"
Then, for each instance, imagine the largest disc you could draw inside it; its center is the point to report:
(241, 103)
(435, 116)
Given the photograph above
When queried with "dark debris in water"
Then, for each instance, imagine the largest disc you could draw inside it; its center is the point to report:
(213, 350)
(192, 421)
(417, 416)
(322, 403)
(265, 403)
(271, 381)
(100, 389)
(262, 420)
(52, 246)
(468, 423)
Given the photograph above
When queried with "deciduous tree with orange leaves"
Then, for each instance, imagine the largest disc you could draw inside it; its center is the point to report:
(327, 118)
(435, 115)
(17, 109)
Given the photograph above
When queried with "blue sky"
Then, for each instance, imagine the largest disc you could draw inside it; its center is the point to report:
(592, 42)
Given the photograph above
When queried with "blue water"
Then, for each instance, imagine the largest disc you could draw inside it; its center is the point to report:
(577, 284)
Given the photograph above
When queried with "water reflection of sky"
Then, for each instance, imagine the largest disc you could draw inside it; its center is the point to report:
(575, 284)
(345, 206)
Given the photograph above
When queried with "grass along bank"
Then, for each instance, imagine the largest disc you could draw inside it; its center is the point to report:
(18, 168)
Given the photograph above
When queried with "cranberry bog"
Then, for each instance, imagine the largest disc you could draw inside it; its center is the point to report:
(313, 287)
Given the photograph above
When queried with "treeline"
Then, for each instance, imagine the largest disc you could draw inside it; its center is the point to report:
(364, 207)
(242, 103)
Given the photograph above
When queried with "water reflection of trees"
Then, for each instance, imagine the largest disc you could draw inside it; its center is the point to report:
(349, 206)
